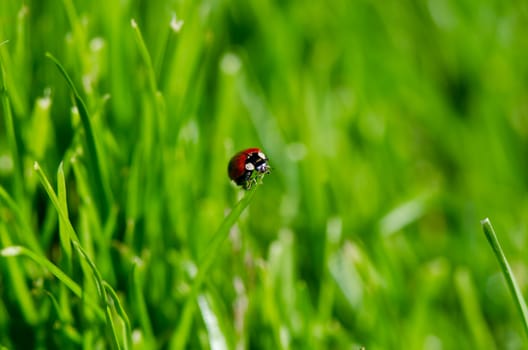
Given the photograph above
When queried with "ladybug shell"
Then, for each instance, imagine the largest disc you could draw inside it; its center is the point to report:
(244, 163)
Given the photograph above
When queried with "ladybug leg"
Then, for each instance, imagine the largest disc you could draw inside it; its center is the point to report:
(247, 180)
(248, 184)
(256, 178)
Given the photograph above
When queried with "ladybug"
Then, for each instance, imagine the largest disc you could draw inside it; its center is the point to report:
(248, 166)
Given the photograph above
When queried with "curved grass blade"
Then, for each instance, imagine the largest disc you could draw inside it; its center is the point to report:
(65, 321)
(63, 202)
(101, 189)
(179, 339)
(56, 203)
(101, 292)
(102, 288)
(506, 270)
(25, 227)
(16, 278)
(121, 312)
(12, 251)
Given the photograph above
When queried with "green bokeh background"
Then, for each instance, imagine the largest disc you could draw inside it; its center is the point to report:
(392, 128)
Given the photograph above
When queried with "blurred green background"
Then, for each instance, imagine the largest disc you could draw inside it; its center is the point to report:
(392, 128)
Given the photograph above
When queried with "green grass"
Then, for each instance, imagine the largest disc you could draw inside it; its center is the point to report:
(392, 129)
(507, 271)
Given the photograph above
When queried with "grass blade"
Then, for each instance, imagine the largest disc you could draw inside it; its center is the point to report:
(17, 281)
(18, 176)
(159, 103)
(16, 94)
(143, 51)
(139, 301)
(65, 320)
(118, 307)
(55, 271)
(101, 189)
(213, 320)
(77, 28)
(168, 51)
(179, 340)
(63, 202)
(31, 239)
(469, 300)
(102, 288)
(56, 203)
(506, 270)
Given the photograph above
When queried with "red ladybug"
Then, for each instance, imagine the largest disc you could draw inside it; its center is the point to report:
(248, 166)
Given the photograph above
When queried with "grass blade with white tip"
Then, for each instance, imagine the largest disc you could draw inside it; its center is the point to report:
(13, 251)
(56, 203)
(15, 276)
(507, 272)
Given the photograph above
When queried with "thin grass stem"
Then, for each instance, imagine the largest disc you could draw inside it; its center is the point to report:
(520, 303)
(179, 339)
